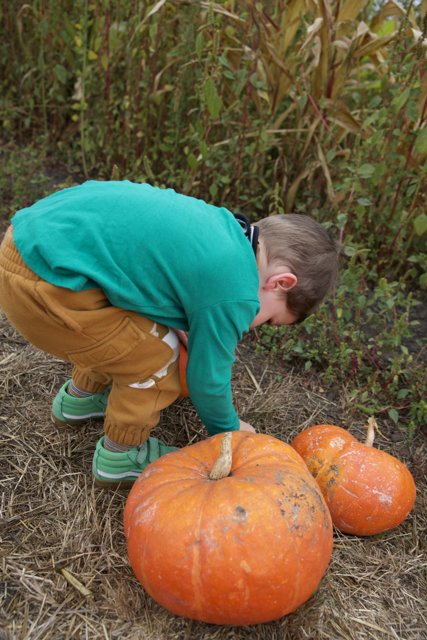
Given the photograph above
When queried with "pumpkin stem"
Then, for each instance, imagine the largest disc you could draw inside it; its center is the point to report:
(370, 436)
(222, 466)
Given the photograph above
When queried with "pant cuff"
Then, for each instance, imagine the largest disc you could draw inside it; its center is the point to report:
(90, 382)
(130, 435)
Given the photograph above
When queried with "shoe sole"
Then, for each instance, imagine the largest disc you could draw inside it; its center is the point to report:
(122, 485)
(71, 423)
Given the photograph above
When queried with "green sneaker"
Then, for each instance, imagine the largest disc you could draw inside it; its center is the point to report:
(68, 410)
(121, 469)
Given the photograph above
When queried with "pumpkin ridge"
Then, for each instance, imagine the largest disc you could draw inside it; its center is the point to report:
(196, 566)
(160, 485)
(172, 465)
(280, 447)
(296, 541)
(261, 456)
(156, 489)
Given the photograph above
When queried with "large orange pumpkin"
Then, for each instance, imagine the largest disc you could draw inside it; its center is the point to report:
(367, 490)
(242, 549)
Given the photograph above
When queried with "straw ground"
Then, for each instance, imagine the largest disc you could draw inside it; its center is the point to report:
(65, 572)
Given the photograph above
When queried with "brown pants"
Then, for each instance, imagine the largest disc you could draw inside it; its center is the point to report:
(107, 345)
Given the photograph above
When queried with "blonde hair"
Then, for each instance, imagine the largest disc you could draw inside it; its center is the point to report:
(306, 248)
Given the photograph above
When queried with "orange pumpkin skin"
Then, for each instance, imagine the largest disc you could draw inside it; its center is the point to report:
(367, 491)
(243, 550)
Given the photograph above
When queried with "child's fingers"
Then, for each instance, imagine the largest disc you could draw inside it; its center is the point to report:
(245, 426)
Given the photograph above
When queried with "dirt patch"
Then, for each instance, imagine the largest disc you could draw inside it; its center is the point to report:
(53, 518)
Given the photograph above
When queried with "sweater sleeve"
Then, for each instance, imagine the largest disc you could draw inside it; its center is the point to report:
(213, 337)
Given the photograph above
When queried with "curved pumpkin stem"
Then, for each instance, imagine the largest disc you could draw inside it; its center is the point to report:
(222, 466)
(370, 436)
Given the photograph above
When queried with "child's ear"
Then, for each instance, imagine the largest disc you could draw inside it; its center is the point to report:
(285, 281)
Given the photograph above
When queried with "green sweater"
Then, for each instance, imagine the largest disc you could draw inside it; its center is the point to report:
(172, 258)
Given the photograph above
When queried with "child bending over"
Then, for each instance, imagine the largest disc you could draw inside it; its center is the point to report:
(106, 274)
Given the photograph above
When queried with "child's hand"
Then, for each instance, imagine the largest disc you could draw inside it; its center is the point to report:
(245, 426)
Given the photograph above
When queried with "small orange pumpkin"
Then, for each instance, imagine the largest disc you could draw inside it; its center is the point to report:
(367, 490)
(242, 545)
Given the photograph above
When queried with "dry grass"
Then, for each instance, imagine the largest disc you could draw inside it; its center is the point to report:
(54, 523)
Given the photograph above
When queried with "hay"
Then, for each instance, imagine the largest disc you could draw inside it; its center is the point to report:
(64, 567)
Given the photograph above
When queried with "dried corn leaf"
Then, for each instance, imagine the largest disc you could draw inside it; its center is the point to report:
(19, 22)
(423, 98)
(396, 10)
(317, 53)
(344, 44)
(326, 173)
(376, 45)
(276, 124)
(351, 9)
(344, 64)
(281, 90)
(311, 132)
(217, 8)
(419, 37)
(362, 30)
(320, 79)
(291, 21)
(391, 10)
(325, 11)
(312, 30)
(341, 115)
(154, 9)
(412, 17)
(293, 190)
(275, 57)
(279, 74)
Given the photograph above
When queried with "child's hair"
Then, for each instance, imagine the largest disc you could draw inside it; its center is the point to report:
(306, 248)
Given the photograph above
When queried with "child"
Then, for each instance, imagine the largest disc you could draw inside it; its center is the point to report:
(102, 273)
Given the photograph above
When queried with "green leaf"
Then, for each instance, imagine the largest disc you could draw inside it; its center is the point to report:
(423, 281)
(204, 150)
(366, 170)
(213, 190)
(402, 393)
(420, 224)
(341, 219)
(394, 415)
(192, 161)
(349, 251)
(401, 99)
(421, 141)
(199, 45)
(213, 100)
(61, 73)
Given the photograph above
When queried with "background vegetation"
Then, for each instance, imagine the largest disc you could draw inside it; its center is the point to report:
(313, 106)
